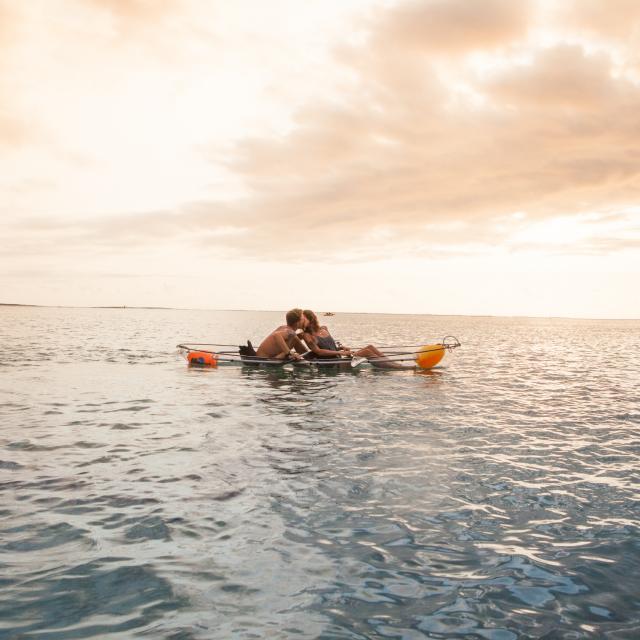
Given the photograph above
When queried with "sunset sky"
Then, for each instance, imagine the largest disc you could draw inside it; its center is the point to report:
(441, 156)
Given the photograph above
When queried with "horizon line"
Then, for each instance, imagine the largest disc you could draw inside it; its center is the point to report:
(392, 313)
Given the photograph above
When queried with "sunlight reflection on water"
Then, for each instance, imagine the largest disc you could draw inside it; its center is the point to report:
(494, 497)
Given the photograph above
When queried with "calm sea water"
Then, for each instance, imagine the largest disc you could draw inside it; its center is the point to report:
(496, 497)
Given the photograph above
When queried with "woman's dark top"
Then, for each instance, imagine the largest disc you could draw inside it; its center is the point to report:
(327, 343)
(323, 342)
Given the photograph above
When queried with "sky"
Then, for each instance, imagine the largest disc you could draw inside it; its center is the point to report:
(476, 157)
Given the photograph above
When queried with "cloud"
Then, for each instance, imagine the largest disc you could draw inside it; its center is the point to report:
(14, 131)
(562, 77)
(414, 174)
(127, 19)
(137, 10)
(613, 19)
(453, 25)
(7, 23)
(555, 136)
(421, 151)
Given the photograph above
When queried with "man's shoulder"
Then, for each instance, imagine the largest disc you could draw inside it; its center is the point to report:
(285, 328)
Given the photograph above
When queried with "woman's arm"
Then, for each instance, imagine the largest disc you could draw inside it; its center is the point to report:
(313, 345)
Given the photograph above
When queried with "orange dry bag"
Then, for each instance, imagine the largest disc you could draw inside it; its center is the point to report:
(202, 358)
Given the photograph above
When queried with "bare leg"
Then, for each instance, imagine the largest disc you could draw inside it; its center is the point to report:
(370, 352)
(381, 360)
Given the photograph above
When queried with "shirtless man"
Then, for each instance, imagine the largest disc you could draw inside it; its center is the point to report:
(278, 344)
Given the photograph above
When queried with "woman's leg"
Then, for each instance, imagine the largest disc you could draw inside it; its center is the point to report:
(369, 352)
(381, 360)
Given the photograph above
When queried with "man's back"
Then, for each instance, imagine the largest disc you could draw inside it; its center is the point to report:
(277, 342)
(280, 341)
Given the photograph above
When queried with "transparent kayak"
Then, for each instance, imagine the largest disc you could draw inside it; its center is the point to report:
(396, 356)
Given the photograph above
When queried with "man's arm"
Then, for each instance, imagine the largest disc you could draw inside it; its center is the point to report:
(298, 345)
(283, 347)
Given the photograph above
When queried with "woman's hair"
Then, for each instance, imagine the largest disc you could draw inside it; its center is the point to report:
(314, 325)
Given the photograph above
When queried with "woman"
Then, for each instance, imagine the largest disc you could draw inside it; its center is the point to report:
(322, 344)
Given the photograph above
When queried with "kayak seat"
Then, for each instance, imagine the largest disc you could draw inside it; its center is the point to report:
(248, 350)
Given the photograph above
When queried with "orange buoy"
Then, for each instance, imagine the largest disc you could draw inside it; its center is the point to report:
(202, 358)
(429, 355)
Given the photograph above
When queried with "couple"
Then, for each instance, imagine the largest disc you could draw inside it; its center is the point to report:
(284, 342)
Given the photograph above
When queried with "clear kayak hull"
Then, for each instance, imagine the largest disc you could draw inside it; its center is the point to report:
(396, 356)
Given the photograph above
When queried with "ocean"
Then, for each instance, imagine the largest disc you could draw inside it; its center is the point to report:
(494, 497)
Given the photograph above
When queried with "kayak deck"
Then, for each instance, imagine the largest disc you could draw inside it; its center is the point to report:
(396, 356)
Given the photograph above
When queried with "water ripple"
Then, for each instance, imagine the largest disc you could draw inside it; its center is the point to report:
(495, 497)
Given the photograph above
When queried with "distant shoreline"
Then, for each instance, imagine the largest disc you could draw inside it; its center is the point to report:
(336, 313)
(64, 306)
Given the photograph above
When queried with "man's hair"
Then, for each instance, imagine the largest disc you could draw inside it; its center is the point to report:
(293, 316)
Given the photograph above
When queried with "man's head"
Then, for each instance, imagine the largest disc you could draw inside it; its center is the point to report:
(296, 319)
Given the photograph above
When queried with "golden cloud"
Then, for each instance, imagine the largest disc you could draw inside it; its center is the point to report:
(553, 135)
(423, 149)
(452, 25)
(614, 19)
